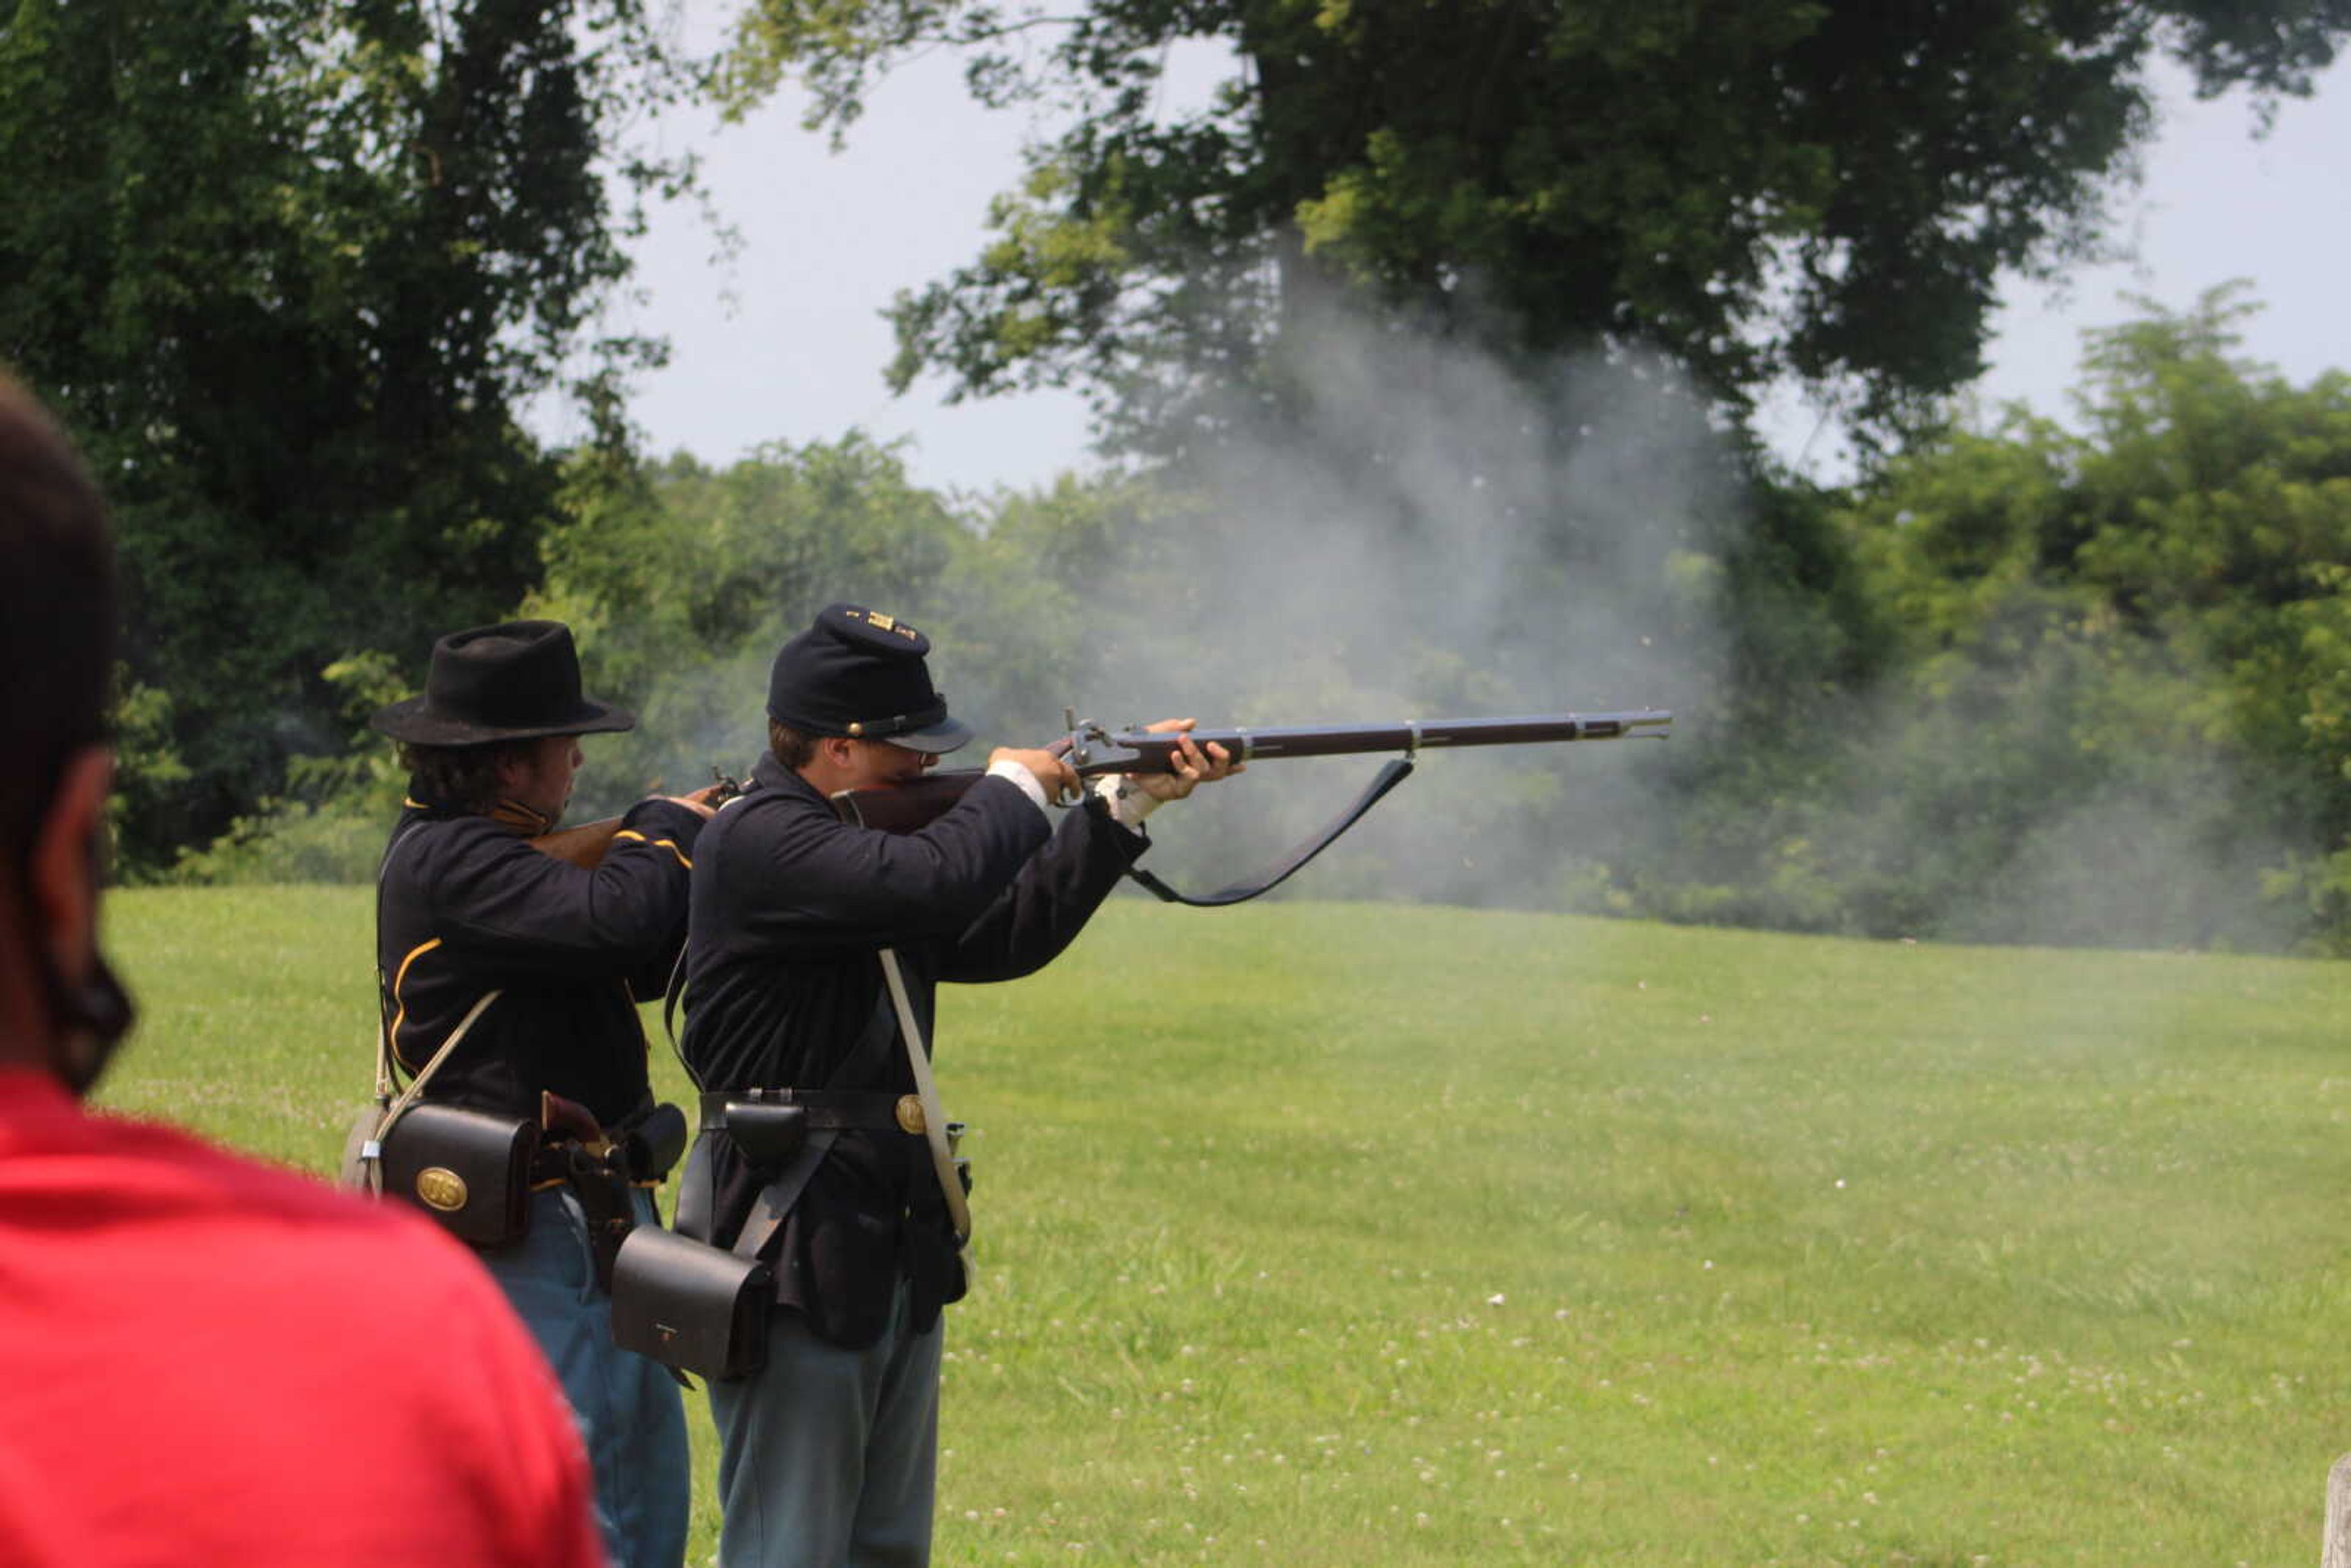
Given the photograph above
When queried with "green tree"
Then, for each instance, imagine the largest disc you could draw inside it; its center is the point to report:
(2145, 623)
(1822, 188)
(289, 270)
(681, 581)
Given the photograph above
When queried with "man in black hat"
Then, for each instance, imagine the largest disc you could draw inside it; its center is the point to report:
(808, 936)
(204, 1358)
(468, 908)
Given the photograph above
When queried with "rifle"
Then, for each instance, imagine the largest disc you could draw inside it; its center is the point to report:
(584, 845)
(1093, 750)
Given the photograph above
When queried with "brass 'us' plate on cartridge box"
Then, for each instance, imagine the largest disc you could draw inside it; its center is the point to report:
(438, 1187)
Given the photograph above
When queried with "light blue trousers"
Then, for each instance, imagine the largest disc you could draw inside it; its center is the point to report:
(829, 1457)
(630, 1417)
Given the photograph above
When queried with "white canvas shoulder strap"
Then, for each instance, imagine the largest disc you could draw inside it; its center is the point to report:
(926, 1089)
(371, 1151)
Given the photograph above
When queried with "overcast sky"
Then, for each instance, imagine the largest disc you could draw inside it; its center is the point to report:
(788, 343)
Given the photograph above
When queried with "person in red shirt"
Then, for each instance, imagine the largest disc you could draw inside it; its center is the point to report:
(205, 1360)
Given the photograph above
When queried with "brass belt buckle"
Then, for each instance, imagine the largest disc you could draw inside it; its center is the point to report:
(909, 1111)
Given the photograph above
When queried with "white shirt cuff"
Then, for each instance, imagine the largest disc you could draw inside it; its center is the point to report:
(1008, 768)
(1128, 804)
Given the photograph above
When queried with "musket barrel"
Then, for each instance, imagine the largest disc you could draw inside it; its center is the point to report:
(1140, 750)
(907, 807)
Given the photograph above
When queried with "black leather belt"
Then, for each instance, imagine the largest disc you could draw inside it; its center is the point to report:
(828, 1110)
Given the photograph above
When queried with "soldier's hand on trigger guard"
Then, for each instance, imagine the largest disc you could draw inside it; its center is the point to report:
(1053, 774)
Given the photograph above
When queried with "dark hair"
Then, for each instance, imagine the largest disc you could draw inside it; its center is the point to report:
(792, 748)
(57, 613)
(464, 777)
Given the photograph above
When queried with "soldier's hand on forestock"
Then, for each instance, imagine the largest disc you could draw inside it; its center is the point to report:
(1052, 772)
(1194, 767)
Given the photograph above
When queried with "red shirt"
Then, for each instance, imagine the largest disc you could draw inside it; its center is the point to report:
(206, 1361)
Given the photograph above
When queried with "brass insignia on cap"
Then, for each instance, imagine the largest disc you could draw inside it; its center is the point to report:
(881, 622)
(909, 1112)
(856, 729)
(440, 1188)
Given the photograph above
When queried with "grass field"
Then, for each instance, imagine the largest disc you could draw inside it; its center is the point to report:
(1327, 1234)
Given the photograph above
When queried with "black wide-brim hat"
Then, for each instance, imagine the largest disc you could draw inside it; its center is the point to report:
(518, 680)
(860, 672)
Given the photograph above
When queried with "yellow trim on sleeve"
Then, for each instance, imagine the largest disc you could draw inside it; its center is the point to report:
(401, 1015)
(669, 844)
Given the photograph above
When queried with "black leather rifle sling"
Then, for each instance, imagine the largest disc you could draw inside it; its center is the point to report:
(1389, 775)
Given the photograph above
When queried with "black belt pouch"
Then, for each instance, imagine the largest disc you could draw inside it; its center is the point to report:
(468, 1170)
(693, 1307)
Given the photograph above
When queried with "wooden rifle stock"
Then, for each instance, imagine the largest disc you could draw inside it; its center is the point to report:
(1093, 751)
(583, 846)
(906, 807)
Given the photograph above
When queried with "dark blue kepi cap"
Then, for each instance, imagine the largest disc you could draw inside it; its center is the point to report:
(860, 672)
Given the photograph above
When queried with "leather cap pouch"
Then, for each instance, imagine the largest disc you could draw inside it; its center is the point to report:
(767, 1136)
(655, 1143)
